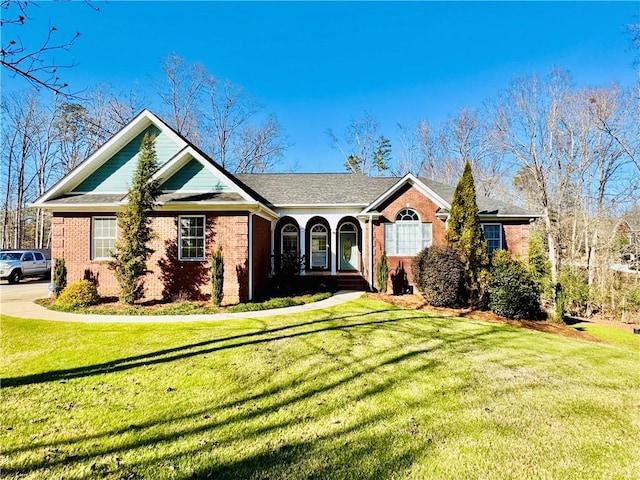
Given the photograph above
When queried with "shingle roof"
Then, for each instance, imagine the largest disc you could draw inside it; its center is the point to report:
(280, 189)
(316, 188)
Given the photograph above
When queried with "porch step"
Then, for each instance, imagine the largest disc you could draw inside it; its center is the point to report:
(352, 282)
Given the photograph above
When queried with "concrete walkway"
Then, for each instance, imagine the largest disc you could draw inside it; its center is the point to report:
(27, 309)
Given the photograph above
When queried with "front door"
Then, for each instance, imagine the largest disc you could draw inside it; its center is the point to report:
(348, 251)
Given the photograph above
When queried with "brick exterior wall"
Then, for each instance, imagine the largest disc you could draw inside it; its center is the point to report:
(515, 233)
(168, 277)
(410, 197)
(261, 256)
(515, 236)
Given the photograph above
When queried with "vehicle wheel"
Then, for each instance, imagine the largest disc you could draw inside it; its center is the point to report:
(14, 277)
(47, 276)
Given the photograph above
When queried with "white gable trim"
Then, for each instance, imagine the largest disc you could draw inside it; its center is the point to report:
(106, 151)
(413, 181)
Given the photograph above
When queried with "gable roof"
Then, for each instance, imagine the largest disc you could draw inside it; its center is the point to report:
(358, 190)
(226, 191)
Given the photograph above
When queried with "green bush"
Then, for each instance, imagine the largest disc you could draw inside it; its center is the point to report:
(575, 290)
(245, 307)
(438, 273)
(59, 276)
(382, 273)
(512, 291)
(82, 293)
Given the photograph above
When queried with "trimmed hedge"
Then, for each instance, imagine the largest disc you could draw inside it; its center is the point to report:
(512, 291)
(438, 273)
(82, 293)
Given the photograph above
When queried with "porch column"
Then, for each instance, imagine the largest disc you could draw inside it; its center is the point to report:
(303, 239)
(334, 251)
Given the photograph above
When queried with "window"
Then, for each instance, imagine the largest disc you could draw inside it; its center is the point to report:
(289, 244)
(493, 235)
(191, 237)
(39, 256)
(319, 246)
(407, 236)
(103, 241)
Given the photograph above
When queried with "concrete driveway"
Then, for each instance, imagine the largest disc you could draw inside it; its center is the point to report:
(27, 289)
(17, 301)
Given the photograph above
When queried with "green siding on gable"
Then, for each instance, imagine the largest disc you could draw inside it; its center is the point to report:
(193, 177)
(116, 173)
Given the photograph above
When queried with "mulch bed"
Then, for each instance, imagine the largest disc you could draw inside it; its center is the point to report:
(416, 302)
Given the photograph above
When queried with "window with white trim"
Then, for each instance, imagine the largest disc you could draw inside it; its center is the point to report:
(407, 235)
(191, 237)
(289, 237)
(103, 237)
(493, 235)
(319, 252)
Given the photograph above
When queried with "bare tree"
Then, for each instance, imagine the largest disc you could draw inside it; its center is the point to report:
(28, 158)
(33, 63)
(219, 116)
(528, 128)
(182, 91)
(364, 148)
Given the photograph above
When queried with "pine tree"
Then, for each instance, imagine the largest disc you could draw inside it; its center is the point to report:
(217, 276)
(134, 224)
(464, 234)
(382, 273)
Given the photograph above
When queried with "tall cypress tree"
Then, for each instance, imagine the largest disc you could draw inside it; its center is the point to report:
(134, 225)
(464, 234)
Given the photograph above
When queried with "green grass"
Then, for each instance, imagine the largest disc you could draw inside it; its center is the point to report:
(359, 391)
(615, 336)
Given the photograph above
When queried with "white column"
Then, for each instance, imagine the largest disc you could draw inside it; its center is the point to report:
(334, 251)
(303, 232)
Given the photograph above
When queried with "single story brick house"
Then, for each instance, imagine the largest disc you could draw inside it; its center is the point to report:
(338, 222)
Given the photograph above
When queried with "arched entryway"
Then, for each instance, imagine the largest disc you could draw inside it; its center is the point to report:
(349, 246)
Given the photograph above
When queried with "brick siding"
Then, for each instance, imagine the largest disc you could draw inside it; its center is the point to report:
(168, 276)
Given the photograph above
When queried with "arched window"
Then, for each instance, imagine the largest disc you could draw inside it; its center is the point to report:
(319, 253)
(289, 244)
(407, 235)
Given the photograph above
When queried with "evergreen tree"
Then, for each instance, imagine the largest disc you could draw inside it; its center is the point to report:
(217, 276)
(382, 273)
(464, 234)
(134, 224)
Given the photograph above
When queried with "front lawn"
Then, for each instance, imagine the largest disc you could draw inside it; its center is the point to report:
(363, 390)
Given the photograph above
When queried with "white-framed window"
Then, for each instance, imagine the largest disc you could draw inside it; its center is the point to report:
(289, 240)
(103, 237)
(191, 237)
(319, 252)
(493, 235)
(407, 235)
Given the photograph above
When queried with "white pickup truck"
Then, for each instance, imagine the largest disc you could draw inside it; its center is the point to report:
(16, 264)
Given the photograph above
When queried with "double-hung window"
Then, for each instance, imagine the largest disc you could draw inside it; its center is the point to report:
(103, 237)
(407, 235)
(319, 246)
(493, 235)
(191, 237)
(290, 240)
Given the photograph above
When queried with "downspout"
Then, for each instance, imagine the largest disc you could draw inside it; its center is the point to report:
(371, 252)
(250, 247)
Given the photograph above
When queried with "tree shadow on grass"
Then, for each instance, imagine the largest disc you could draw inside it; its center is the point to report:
(153, 433)
(185, 351)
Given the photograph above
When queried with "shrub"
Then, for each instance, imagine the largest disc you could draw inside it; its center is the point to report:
(59, 276)
(245, 307)
(217, 276)
(382, 273)
(575, 290)
(82, 293)
(438, 274)
(512, 291)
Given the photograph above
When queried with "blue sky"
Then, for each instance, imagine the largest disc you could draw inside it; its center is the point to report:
(316, 65)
